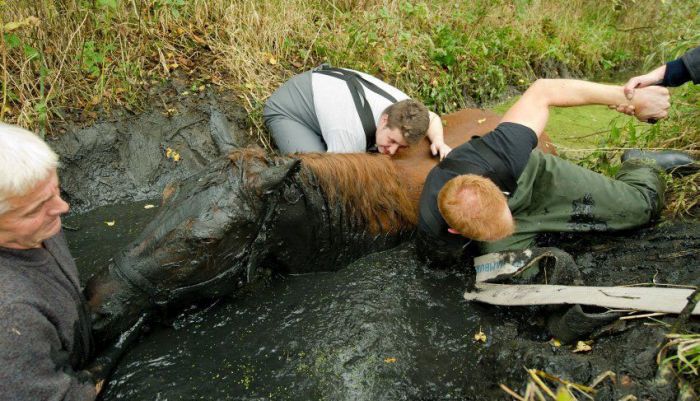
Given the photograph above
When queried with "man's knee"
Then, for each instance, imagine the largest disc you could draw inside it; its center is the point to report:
(647, 179)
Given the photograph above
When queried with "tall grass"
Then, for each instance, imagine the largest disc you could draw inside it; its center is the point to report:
(71, 59)
(75, 56)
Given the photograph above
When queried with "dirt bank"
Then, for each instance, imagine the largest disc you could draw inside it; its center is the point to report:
(129, 157)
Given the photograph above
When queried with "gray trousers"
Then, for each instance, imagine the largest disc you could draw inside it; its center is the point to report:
(290, 116)
(555, 195)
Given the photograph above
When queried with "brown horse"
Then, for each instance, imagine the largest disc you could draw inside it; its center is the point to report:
(374, 187)
(251, 212)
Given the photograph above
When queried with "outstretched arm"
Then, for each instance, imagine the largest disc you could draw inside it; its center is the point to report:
(435, 134)
(532, 109)
(654, 77)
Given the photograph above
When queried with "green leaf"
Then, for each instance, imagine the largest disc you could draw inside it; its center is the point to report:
(12, 40)
(30, 52)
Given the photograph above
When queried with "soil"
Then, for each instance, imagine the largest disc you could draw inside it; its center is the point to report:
(127, 157)
(383, 328)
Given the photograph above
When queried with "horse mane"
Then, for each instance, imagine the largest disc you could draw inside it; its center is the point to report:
(368, 188)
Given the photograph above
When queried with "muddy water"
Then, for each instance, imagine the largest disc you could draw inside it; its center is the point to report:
(383, 328)
(95, 236)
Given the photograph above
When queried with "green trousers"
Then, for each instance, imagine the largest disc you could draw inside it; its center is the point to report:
(555, 195)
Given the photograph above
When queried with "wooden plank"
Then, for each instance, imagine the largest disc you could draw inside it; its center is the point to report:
(652, 299)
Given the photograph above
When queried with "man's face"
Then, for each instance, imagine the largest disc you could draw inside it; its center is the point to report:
(389, 140)
(34, 216)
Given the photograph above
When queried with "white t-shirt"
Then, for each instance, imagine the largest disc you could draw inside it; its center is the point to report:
(338, 119)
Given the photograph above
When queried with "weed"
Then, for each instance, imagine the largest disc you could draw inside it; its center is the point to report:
(448, 54)
(540, 382)
(62, 61)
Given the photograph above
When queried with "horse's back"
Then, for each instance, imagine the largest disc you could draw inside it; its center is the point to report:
(414, 163)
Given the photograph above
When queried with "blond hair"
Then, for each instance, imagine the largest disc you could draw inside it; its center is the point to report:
(467, 204)
(25, 160)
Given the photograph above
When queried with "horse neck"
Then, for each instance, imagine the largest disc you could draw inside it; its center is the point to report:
(367, 187)
(311, 233)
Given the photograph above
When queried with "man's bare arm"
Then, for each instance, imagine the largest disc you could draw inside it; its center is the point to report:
(435, 135)
(532, 109)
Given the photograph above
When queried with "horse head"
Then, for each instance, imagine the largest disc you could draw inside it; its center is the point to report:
(204, 241)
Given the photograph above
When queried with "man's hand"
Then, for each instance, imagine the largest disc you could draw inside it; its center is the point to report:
(652, 78)
(651, 103)
(623, 108)
(441, 148)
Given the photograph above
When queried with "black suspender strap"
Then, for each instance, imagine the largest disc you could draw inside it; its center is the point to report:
(355, 83)
(501, 176)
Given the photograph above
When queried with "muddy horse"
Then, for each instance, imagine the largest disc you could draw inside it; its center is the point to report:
(251, 213)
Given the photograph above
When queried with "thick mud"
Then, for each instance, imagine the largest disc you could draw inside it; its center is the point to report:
(131, 157)
(384, 328)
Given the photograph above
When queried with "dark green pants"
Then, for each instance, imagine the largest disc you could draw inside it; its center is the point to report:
(555, 195)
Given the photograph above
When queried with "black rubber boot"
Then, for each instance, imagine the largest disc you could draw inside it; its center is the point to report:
(670, 160)
(572, 324)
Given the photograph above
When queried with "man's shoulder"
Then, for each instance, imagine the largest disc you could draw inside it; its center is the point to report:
(15, 285)
(514, 133)
(429, 217)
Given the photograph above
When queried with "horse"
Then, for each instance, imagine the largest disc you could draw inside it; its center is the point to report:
(252, 213)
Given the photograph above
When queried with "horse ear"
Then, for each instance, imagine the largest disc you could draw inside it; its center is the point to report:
(272, 177)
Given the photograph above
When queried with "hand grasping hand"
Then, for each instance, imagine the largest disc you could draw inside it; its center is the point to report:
(642, 81)
(651, 103)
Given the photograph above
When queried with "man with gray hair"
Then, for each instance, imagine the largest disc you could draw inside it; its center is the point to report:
(45, 338)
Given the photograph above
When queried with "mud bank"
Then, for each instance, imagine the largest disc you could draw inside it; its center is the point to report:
(130, 157)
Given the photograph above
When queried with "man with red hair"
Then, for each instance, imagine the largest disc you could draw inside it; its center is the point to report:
(496, 193)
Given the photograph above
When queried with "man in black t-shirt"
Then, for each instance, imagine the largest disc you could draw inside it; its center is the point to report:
(495, 193)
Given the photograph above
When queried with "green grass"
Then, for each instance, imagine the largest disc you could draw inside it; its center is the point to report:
(575, 130)
(450, 54)
(77, 59)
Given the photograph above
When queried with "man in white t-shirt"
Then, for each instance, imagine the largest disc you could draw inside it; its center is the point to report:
(317, 111)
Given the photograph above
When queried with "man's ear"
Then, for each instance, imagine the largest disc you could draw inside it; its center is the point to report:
(453, 231)
(384, 119)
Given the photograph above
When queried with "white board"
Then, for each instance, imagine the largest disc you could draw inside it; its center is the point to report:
(652, 299)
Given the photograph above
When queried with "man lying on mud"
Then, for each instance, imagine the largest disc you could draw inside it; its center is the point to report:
(495, 193)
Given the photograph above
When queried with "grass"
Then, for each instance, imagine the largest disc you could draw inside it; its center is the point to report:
(73, 60)
(542, 386)
(85, 55)
(685, 357)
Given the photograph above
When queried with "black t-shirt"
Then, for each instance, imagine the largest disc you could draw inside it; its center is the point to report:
(511, 142)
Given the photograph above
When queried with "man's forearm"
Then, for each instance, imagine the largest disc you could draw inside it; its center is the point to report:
(435, 130)
(532, 109)
(570, 92)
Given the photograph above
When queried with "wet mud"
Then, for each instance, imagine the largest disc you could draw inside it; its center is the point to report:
(384, 328)
(131, 157)
(387, 328)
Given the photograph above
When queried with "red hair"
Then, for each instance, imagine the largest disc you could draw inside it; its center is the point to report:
(467, 204)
